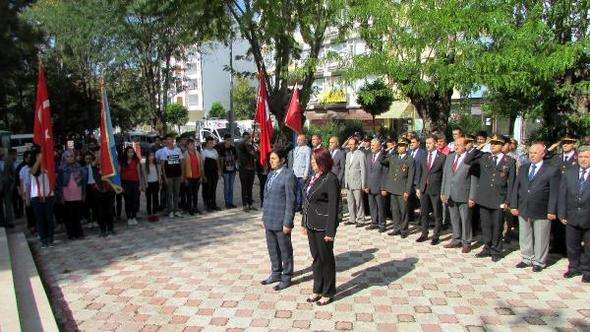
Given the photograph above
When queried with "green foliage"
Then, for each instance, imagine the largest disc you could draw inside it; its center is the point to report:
(375, 97)
(463, 120)
(244, 99)
(423, 47)
(341, 129)
(217, 111)
(176, 114)
(18, 64)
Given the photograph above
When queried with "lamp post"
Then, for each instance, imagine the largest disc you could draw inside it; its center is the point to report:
(231, 115)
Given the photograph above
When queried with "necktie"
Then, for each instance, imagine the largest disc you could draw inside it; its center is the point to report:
(582, 179)
(455, 163)
(532, 172)
(374, 158)
(429, 159)
(495, 160)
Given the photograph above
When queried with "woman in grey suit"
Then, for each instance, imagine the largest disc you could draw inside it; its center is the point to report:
(321, 204)
(278, 211)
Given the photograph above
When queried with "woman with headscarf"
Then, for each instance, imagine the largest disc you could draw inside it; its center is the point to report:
(71, 191)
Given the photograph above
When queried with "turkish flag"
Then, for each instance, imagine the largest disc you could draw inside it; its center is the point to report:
(264, 121)
(43, 128)
(293, 117)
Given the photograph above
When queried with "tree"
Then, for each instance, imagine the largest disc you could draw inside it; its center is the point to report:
(176, 114)
(217, 111)
(537, 63)
(425, 48)
(244, 99)
(18, 64)
(270, 27)
(375, 98)
(113, 38)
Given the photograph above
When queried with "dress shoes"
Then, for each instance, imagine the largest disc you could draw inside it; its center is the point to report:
(359, 225)
(586, 278)
(522, 265)
(496, 258)
(482, 254)
(282, 285)
(394, 233)
(435, 241)
(381, 229)
(269, 280)
(422, 238)
(404, 235)
(372, 227)
(537, 268)
(570, 274)
(452, 244)
(466, 248)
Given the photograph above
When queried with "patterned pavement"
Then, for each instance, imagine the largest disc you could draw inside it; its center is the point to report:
(203, 273)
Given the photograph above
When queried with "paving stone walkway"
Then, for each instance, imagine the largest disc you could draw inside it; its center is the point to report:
(203, 273)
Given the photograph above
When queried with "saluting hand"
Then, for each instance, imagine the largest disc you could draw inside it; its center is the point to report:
(514, 212)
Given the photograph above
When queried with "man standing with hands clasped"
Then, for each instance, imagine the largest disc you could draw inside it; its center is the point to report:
(574, 212)
(534, 201)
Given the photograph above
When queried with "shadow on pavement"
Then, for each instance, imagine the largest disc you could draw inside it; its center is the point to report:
(379, 275)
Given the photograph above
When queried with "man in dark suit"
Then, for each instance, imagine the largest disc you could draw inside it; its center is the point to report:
(495, 174)
(417, 154)
(278, 213)
(458, 187)
(339, 158)
(534, 201)
(429, 190)
(574, 212)
(375, 174)
(398, 182)
(564, 160)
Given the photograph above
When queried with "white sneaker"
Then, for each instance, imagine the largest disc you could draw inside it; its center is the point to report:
(130, 222)
(178, 214)
(134, 221)
(171, 215)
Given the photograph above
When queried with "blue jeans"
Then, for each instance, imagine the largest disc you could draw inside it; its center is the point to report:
(228, 188)
(298, 193)
(44, 216)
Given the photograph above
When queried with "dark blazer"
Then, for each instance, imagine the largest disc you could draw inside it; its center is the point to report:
(494, 181)
(431, 179)
(278, 209)
(557, 161)
(375, 173)
(399, 178)
(339, 159)
(573, 205)
(537, 198)
(321, 204)
(420, 153)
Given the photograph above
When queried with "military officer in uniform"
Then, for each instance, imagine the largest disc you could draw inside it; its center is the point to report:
(495, 174)
(564, 160)
(399, 184)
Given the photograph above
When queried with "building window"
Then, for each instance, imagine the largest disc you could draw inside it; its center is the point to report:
(192, 100)
(179, 101)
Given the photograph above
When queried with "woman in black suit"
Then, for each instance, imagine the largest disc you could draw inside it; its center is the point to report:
(320, 220)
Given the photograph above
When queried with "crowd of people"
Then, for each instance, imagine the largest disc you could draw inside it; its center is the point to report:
(473, 184)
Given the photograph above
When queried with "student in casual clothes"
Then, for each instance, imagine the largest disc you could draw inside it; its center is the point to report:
(228, 157)
(130, 182)
(151, 183)
(170, 159)
(91, 199)
(71, 189)
(211, 165)
(24, 190)
(42, 200)
(193, 173)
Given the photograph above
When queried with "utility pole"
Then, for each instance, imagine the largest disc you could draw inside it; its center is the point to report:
(231, 115)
